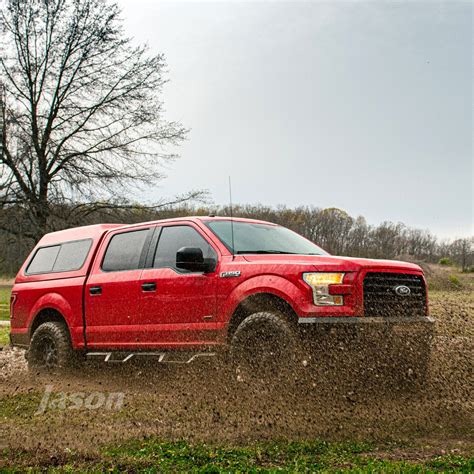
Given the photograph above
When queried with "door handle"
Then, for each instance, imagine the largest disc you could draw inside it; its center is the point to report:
(95, 290)
(149, 286)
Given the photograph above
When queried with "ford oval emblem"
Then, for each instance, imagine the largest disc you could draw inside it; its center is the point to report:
(402, 290)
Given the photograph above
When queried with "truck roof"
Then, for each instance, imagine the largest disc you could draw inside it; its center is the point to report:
(200, 219)
(93, 232)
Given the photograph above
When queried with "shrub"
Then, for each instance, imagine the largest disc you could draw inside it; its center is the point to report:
(454, 280)
(444, 261)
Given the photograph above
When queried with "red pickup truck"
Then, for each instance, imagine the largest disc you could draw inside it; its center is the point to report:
(179, 288)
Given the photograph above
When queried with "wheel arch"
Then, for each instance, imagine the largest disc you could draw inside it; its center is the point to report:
(56, 306)
(259, 293)
(258, 302)
(46, 315)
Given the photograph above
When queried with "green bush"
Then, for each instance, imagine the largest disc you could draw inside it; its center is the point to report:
(454, 280)
(4, 336)
(444, 261)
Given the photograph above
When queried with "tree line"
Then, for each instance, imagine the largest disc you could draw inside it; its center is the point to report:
(333, 229)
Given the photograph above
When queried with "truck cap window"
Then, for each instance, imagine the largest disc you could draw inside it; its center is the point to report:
(262, 238)
(124, 251)
(176, 237)
(65, 257)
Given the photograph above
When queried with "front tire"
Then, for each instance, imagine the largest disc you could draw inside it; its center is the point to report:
(50, 348)
(264, 347)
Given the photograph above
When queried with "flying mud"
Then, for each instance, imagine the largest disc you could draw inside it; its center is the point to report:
(336, 393)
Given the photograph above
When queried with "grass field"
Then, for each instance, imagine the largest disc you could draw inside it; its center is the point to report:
(4, 331)
(4, 303)
(305, 456)
(153, 455)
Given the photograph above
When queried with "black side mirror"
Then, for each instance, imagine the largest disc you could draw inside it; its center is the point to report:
(192, 259)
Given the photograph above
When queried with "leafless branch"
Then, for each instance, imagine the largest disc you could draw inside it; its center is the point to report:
(80, 105)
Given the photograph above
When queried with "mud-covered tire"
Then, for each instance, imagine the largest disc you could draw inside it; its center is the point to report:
(264, 347)
(51, 348)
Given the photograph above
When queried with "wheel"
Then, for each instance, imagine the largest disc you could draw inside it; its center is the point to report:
(50, 348)
(264, 347)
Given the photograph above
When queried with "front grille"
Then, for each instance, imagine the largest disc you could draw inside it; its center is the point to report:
(381, 298)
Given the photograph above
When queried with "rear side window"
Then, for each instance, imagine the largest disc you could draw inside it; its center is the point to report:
(65, 257)
(124, 251)
(72, 255)
(43, 260)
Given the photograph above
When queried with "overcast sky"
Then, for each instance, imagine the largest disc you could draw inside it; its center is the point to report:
(365, 106)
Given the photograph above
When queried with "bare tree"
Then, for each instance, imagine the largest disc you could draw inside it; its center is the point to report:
(462, 252)
(81, 115)
(333, 229)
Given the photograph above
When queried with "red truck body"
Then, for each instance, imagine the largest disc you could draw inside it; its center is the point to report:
(149, 308)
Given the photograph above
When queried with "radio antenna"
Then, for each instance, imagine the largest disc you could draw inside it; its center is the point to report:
(231, 219)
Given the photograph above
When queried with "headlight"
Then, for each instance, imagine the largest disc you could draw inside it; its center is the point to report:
(320, 282)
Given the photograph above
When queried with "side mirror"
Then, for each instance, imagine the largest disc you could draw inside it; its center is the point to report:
(192, 259)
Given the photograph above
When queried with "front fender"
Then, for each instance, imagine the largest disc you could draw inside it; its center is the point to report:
(272, 284)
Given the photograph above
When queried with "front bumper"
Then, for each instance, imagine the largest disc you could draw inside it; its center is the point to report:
(377, 328)
(395, 320)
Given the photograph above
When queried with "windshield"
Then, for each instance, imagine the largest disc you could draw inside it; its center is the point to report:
(262, 239)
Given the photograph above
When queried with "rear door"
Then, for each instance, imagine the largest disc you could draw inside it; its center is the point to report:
(112, 293)
(178, 308)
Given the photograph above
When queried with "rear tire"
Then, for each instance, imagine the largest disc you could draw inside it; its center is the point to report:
(264, 347)
(50, 348)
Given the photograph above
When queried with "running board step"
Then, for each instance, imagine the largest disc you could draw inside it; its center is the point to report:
(161, 357)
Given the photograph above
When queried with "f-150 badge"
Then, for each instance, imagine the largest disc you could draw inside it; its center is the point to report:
(232, 274)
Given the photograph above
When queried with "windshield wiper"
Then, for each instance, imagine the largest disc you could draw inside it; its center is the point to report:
(266, 252)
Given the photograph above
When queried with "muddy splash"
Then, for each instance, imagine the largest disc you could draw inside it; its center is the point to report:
(333, 397)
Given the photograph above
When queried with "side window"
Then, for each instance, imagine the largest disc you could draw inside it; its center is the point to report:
(72, 255)
(65, 257)
(43, 260)
(175, 237)
(124, 251)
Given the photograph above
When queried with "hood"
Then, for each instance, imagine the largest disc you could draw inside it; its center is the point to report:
(329, 262)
